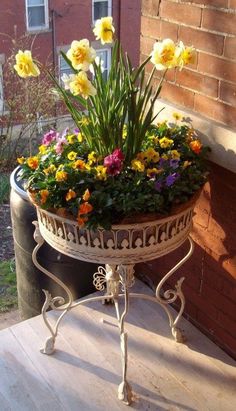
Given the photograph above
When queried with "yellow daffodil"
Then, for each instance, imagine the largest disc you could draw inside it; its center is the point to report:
(33, 162)
(81, 54)
(186, 55)
(50, 170)
(104, 30)
(70, 194)
(25, 67)
(175, 155)
(163, 54)
(137, 165)
(21, 160)
(101, 172)
(61, 176)
(80, 85)
(79, 165)
(165, 142)
(72, 155)
(86, 195)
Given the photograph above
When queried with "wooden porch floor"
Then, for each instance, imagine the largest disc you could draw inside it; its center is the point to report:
(84, 372)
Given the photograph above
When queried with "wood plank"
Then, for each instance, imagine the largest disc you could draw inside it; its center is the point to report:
(149, 379)
(69, 376)
(21, 386)
(85, 371)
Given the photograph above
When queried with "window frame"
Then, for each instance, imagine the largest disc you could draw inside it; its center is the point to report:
(108, 50)
(46, 13)
(109, 5)
(60, 60)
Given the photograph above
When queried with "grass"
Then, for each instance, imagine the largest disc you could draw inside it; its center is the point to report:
(4, 188)
(8, 290)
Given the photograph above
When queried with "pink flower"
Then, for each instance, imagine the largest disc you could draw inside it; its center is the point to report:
(114, 162)
(60, 143)
(49, 137)
(118, 153)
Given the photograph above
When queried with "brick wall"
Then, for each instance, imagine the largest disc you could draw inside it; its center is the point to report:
(210, 274)
(208, 87)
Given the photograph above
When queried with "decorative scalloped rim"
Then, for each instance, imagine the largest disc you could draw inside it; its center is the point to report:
(122, 244)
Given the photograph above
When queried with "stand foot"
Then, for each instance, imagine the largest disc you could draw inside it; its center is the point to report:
(125, 393)
(49, 346)
(170, 296)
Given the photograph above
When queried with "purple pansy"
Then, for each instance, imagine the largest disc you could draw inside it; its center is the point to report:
(171, 178)
(49, 137)
(174, 163)
(162, 162)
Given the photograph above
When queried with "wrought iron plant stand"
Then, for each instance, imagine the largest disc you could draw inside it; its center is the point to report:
(119, 249)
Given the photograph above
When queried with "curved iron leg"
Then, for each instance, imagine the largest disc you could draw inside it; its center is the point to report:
(171, 295)
(53, 302)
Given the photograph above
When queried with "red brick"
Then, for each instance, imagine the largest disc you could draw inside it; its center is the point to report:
(198, 82)
(202, 40)
(169, 30)
(213, 274)
(230, 47)
(178, 95)
(215, 110)
(228, 92)
(228, 324)
(218, 301)
(203, 207)
(223, 22)
(200, 302)
(170, 76)
(182, 13)
(217, 67)
(229, 264)
(151, 7)
(220, 335)
(232, 4)
(229, 289)
(217, 3)
(150, 27)
(190, 310)
(146, 45)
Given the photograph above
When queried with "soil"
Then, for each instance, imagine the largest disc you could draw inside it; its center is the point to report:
(7, 253)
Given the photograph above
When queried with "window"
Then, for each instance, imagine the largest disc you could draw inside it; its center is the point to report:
(64, 67)
(36, 14)
(105, 56)
(101, 8)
